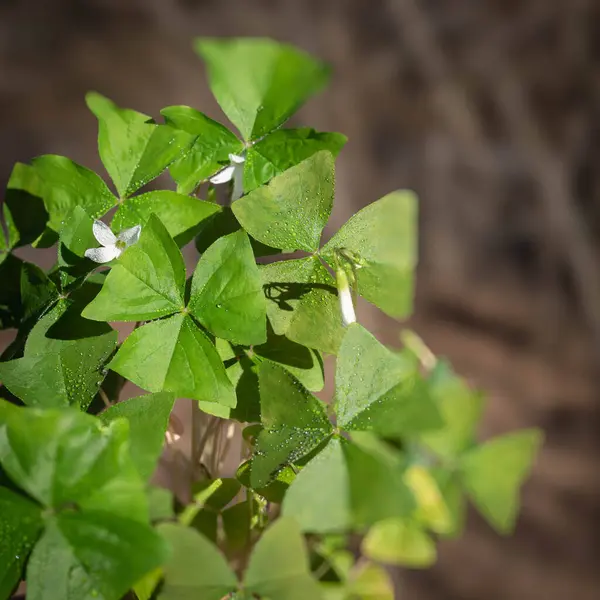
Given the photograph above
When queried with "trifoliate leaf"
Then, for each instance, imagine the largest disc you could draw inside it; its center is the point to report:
(345, 487)
(460, 407)
(284, 149)
(383, 235)
(181, 215)
(279, 567)
(148, 418)
(276, 80)
(174, 355)
(24, 210)
(92, 554)
(294, 423)
(196, 569)
(493, 473)
(302, 303)
(148, 281)
(134, 150)
(292, 210)
(57, 372)
(399, 542)
(65, 185)
(214, 143)
(65, 458)
(227, 296)
(20, 526)
(379, 390)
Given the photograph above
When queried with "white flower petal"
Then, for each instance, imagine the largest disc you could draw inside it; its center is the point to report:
(103, 233)
(103, 255)
(347, 307)
(224, 176)
(130, 236)
(236, 159)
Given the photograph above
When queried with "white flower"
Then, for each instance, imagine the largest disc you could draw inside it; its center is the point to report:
(345, 297)
(235, 172)
(113, 245)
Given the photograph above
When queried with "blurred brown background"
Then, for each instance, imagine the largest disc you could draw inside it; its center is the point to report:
(489, 110)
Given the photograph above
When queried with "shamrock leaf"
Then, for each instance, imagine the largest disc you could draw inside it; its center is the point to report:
(20, 526)
(196, 568)
(302, 303)
(57, 372)
(92, 554)
(134, 149)
(278, 567)
(64, 457)
(378, 390)
(291, 429)
(181, 215)
(276, 78)
(147, 283)
(65, 185)
(383, 236)
(493, 473)
(226, 295)
(148, 418)
(174, 355)
(292, 210)
(214, 143)
(346, 487)
(284, 149)
(24, 211)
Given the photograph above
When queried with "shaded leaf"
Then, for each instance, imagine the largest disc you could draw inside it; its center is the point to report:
(60, 372)
(20, 526)
(302, 303)
(24, 210)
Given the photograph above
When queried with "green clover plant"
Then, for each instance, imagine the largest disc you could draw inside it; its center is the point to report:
(275, 479)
